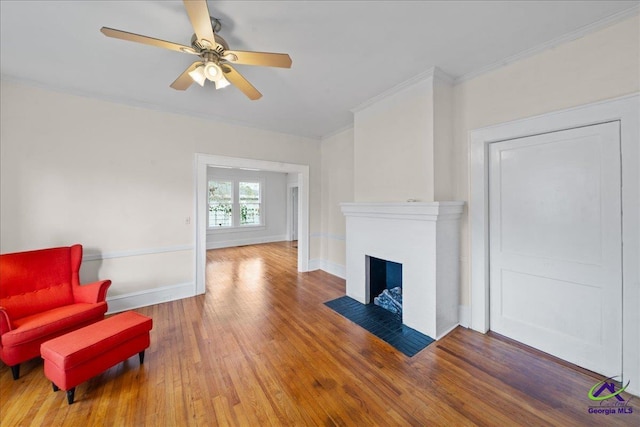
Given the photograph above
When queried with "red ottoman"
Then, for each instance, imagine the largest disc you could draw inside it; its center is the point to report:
(84, 353)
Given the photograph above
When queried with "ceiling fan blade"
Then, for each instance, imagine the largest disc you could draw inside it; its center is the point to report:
(265, 59)
(240, 82)
(123, 35)
(184, 80)
(198, 12)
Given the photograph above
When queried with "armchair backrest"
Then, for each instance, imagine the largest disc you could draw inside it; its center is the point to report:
(39, 280)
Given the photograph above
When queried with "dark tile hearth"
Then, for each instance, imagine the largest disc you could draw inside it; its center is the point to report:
(381, 323)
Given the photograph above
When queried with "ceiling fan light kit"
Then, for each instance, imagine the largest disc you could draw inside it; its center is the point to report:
(222, 83)
(215, 56)
(198, 75)
(212, 71)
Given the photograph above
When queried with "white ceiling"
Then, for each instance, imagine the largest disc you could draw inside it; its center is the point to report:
(344, 52)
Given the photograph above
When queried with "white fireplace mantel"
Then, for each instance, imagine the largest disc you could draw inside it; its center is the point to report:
(424, 238)
(419, 211)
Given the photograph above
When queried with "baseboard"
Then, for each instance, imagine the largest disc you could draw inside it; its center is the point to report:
(464, 314)
(463, 320)
(333, 268)
(447, 332)
(217, 244)
(149, 297)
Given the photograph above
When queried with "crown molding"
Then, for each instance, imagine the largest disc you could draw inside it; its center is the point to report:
(574, 35)
(130, 102)
(431, 73)
(337, 132)
(441, 75)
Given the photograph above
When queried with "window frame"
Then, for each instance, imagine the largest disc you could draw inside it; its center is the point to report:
(236, 225)
(260, 203)
(221, 180)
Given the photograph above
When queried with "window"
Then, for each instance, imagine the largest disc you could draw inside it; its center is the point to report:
(234, 203)
(249, 197)
(220, 204)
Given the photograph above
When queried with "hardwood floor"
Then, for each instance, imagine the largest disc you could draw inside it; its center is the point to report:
(261, 349)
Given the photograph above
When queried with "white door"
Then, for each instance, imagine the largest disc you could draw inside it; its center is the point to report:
(555, 244)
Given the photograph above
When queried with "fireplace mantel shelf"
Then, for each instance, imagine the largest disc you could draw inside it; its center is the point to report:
(419, 211)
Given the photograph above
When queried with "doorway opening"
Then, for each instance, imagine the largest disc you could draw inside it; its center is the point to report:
(203, 161)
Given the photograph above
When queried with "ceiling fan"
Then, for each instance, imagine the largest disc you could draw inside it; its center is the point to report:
(215, 56)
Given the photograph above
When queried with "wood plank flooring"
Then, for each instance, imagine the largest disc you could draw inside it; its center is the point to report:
(261, 349)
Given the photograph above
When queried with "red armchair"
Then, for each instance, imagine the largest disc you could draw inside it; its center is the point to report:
(41, 298)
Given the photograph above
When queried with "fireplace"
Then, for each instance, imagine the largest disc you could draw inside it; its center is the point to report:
(423, 237)
(384, 280)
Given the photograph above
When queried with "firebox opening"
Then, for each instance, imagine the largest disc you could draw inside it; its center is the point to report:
(385, 284)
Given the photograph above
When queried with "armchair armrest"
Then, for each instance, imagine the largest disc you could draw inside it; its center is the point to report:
(5, 322)
(92, 292)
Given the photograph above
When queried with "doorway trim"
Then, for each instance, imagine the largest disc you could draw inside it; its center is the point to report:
(202, 161)
(625, 110)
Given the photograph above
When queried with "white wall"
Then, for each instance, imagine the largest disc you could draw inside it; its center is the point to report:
(443, 176)
(274, 210)
(601, 65)
(392, 144)
(119, 180)
(402, 142)
(293, 212)
(336, 154)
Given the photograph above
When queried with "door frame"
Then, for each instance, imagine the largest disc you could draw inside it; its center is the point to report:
(202, 161)
(626, 110)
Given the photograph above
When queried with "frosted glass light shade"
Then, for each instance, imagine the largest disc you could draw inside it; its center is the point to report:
(198, 75)
(212, 71)
(222, 83)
